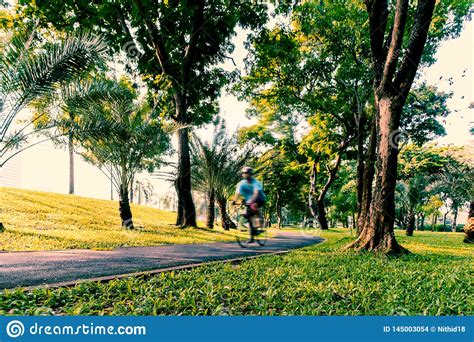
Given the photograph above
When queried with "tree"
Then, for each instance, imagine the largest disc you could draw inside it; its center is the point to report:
(121, 137)
(343, 195)
(424, 107)
(325, 148)
(27, 72)
(178, 45)
(30, 70)
(45, 115)
(469, 226)
(417, 168)
(455, 181)
(283, 176)
(216, 169)
(396, 54)
(431, 208)
(308, 69)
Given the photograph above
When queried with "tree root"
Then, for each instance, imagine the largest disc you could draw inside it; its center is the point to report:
(390, 247)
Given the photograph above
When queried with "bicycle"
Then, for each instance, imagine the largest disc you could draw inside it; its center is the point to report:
(257, 233)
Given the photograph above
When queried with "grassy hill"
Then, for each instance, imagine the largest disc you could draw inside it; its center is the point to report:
(47, 221)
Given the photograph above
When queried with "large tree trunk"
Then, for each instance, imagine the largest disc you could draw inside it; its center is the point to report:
(391, 86)
(124, 204)
(188, 215)
(317, 209)
(124, 209)
(367, 179)
(360, 161)
(469, 226)
(211, 206)
(278, 211)
(226, 221)
(410, 224)
(71, 163)
(433, 222)
(323, 222)
(378, 227)
(444, 220)
(179, 207)
(422, 223)
(455, 220)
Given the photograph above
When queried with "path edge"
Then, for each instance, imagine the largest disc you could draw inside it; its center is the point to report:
(151, 273)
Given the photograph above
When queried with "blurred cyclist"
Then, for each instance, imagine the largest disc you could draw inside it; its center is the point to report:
(251, 191)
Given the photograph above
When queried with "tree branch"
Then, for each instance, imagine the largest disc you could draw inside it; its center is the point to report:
(189, 54)
(157, 40)
(407, 71)
(396, 40)
(378, 13)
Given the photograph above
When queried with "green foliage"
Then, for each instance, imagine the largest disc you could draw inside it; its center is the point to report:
(217, 166)
(418, 168)
(425, 160)
(429, 177)
(309, 66)
(455, 182)
(283, 173)
(424, 106)
(176, 46)
(118, 134)
(318, 280)
(343, 194)
(30, 69)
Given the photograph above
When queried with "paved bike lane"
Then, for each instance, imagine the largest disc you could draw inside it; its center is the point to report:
(67, 267)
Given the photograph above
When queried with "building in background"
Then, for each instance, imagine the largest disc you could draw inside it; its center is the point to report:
(11, 173)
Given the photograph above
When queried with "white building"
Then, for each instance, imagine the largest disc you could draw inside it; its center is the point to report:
(11, 173)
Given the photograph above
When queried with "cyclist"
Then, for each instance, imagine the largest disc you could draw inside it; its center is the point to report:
(251, 191)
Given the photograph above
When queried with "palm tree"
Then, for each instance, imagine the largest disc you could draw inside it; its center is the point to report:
(29, 70)
(57, 110)
(455, 183)
(216, 170)
(121, 136)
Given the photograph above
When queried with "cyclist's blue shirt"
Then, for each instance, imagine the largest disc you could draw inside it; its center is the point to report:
(246, 189)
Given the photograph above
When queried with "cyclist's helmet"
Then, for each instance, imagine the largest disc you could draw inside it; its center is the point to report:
(247, 169)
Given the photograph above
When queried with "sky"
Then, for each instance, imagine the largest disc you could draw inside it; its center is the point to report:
(45, 168)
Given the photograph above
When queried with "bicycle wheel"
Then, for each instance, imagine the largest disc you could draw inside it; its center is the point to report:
(261, 235)
(243, 226)
(243, 239)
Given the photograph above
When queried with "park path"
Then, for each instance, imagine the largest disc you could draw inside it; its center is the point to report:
(68, 266)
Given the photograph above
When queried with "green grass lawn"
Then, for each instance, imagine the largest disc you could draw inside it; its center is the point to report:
(436, 279)
(46, 221)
